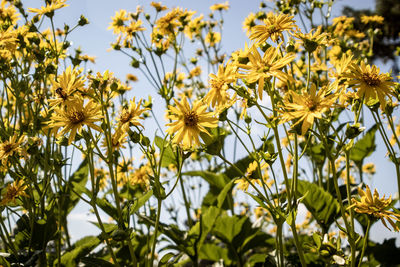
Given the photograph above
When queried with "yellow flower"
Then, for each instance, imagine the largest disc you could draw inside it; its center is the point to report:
(49, 8)
(66, 85)
(158, 6)
(369, 83)
(367, 19)
(307, 106)
(118, 140)
(132, 29)
(118, 21)
(212, 38)
(194, 27)
(73, 117)
(130, 116)
(252, 176)
(264, 68)
(273, 27)
(219, 85)
(9, 13)
(312, 40)
(195, 71)
(189, 122)
(13, 191)
(369, 168)
(249, 22)
(140, 177)
(221, 6)
(11, 147)
(375, 206)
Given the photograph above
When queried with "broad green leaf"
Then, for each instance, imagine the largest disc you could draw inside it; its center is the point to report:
(214, 253)
(206, 224)
(254, 259)
(364, 146)
(214, 141)
(222, 196)
(227, 227)
(164, 260)
(214, 179)
(77, 180)
(140, 202)
(81, 248)
(168, 154)
(322, 205)
(95, 262)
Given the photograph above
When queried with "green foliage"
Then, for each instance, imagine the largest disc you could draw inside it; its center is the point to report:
(80, 249)
(322, 205)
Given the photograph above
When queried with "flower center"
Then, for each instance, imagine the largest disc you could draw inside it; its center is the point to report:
(77, 117)
(8, 148)
(60, 92)
(191, 119)
(372, 79)
(125, 116)
(311, 104)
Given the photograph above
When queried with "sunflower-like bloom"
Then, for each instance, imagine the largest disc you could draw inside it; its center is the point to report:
(188, 122)
(49, 8)
(140, 177)
(11, 147)
(212, 38)
(312, 40)
(253, 177)
(307, 106)
(130, 116)
(273, 27)
(158, 6)
(369, 83)
(68, 82)
(374, 19)
(375, 206)
(264, 68)
(117, 23)
(219, 85)
(220, 6)
(13, 191)
(73, 117)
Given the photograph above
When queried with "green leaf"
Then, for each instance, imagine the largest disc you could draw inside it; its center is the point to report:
(364, 146)
(140, 202)
(164, 260)
(254, 259)
(168, 155)
(81, 248)
(214, 141)
(227, 227)
(214, 179)
(322, 205)
(77, 180)
(222, 196)
(95, 262)
(214, 253)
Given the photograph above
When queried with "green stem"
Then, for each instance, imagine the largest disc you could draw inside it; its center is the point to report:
(153, 250)
(364, 243)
